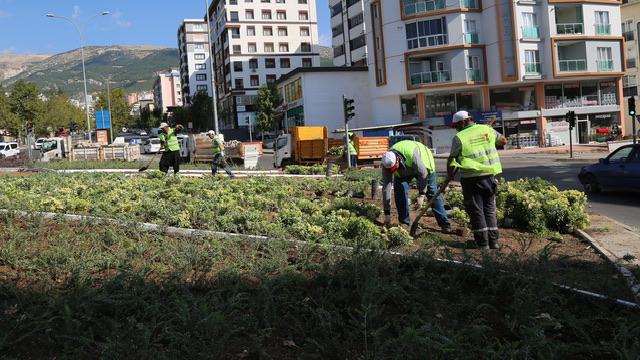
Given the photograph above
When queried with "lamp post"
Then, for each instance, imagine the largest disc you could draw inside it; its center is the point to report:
(212, 72)
(84, 74)
(108, 81)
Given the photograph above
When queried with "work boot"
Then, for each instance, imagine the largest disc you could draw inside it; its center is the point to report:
(494, 246)
(446, 229)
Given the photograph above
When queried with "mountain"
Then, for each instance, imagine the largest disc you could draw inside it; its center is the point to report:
(133, 68)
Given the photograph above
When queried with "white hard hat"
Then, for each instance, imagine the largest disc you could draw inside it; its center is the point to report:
(163, 125)
(211, 132)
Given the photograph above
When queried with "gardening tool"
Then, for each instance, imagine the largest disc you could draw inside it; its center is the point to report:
(153, 158)
(443, 188)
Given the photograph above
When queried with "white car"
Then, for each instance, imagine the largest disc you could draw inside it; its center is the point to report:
(151, 146)
(143, 133)
(38, 144)
(9, 149)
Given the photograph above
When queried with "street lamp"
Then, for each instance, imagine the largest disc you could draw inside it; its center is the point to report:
(84, 74)
(212, 72)
(108, 81)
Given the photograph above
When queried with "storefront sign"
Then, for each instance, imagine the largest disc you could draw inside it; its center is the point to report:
(531, 88)
(558, 126)
(527, 122)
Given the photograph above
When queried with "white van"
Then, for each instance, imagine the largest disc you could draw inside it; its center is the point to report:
(9, 149)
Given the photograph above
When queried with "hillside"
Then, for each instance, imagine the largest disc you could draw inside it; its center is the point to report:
(130, 67)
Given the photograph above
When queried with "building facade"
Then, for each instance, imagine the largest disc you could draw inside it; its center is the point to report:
(527, 62)
(167, 90)
(194, 63)
(348, 32)
(630, 14)
(254, 43)
(311, 97)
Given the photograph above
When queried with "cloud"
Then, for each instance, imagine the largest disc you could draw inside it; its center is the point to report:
(118, 17)
(76, 12)
(9, 50)
(325, 39)
(4, 14)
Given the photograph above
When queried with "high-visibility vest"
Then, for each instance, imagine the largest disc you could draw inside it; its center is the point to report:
(406, 148)
(478, 149)
(170, 141)
(215, 144)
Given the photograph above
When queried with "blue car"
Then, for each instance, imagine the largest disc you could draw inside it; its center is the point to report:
(619, 170)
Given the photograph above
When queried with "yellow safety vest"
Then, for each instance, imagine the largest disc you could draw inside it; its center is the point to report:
(478, 149)
(406, 148)
(170, 141)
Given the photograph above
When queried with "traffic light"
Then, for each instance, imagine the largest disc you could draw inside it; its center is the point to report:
(571, 119)
(29, 128)
(632, 106)
(348, 108)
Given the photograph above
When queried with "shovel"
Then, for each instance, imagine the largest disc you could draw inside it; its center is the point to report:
(443, 188)
(149, 164)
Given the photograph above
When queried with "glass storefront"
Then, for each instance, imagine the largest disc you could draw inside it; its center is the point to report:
(446, 103)
(580, 94)
(409, 104)
(513, 99)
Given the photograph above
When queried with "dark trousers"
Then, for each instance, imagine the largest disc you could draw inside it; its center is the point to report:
(353, 160)
(170, 159)
(480, 202)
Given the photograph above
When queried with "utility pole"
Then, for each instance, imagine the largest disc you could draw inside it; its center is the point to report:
(632, 111)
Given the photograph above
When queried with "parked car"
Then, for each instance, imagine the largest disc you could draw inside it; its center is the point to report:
(38, 143)
(619, 170)
(9, 149)
(151, 146)
(143, 133)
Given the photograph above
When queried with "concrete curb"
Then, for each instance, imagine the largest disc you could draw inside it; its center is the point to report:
(628, 276)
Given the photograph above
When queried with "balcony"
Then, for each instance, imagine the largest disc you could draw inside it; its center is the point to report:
(534, 68)
(427, 41)
(475, 75)
(605, 65)
(570, 28)
(471, 38)
(430, 77)
(603, 29)
(530, 32)
(412, 7)
(573, 65)
(469, 4)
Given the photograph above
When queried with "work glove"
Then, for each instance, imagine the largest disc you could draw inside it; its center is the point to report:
(387, 220)
(420, 200)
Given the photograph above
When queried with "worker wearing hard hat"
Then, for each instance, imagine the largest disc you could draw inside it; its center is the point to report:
(169, 142)
(218, 155)
(353, 154)
(407, 160)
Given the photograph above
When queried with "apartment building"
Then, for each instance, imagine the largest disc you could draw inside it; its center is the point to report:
(630, 14)
(526, 62)
(348, 32)
(254, 42)
(167, 90)
(194, 63)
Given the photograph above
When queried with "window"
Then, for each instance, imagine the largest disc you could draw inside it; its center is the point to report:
(284, 47)
(337, 9)
(239, 83)
(201, 77)
(237, 49)
(268, 47)
(280, 1)
(336, 31)
(305, 47)
(605, 62)
(201, 87)
(627, 30)
(304, 31)
(426, 33)
(267, 31)
(357, 42)
(198, 26)
(254, 80)
(603, 27)
(237, 66)
(282, 31)
(269, 63)
(281, 15)
(285, 63)
(265, 1)
(266, 15)
(198, 56)
(251, 31)
(200, 66)
(235, 33)
(198, 46)
(248, 14)
(530, 26)
(234, 16)
(271, 78)
(302, 1)
(303, 15)
(252, 47)
(253, 63)
(470, 32)
(307, 62)
(532, 62)
(358, 19)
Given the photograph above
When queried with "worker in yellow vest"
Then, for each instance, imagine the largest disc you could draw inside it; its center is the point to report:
(353, 154)
(218, 155)
(171, 145)
(473, 151)
(405, 161)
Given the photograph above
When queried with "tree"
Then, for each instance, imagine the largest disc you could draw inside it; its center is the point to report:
(59, 112)
(25, 102)
(265, 103)
(8, 120)
(202, 110)
(120, 109)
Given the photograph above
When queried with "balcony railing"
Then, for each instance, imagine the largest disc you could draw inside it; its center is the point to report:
(533, 68)
(628, 36)
(471, 38)
(605, 65)
(430, 77)
(427, 41)
(570, 28)
(423, 6)
(603, 29)
(573, 65)
(531, 32)
(474, 75)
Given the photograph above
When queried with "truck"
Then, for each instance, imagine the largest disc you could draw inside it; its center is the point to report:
(303, 145)
(60, 147)
(236, 152)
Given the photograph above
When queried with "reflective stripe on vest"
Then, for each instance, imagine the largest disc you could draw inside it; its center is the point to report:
(352, 149)
(170, 141)
(478, 149)
(406, 148)
(215, 144)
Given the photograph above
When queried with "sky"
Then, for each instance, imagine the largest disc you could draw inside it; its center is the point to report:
(25, 28)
